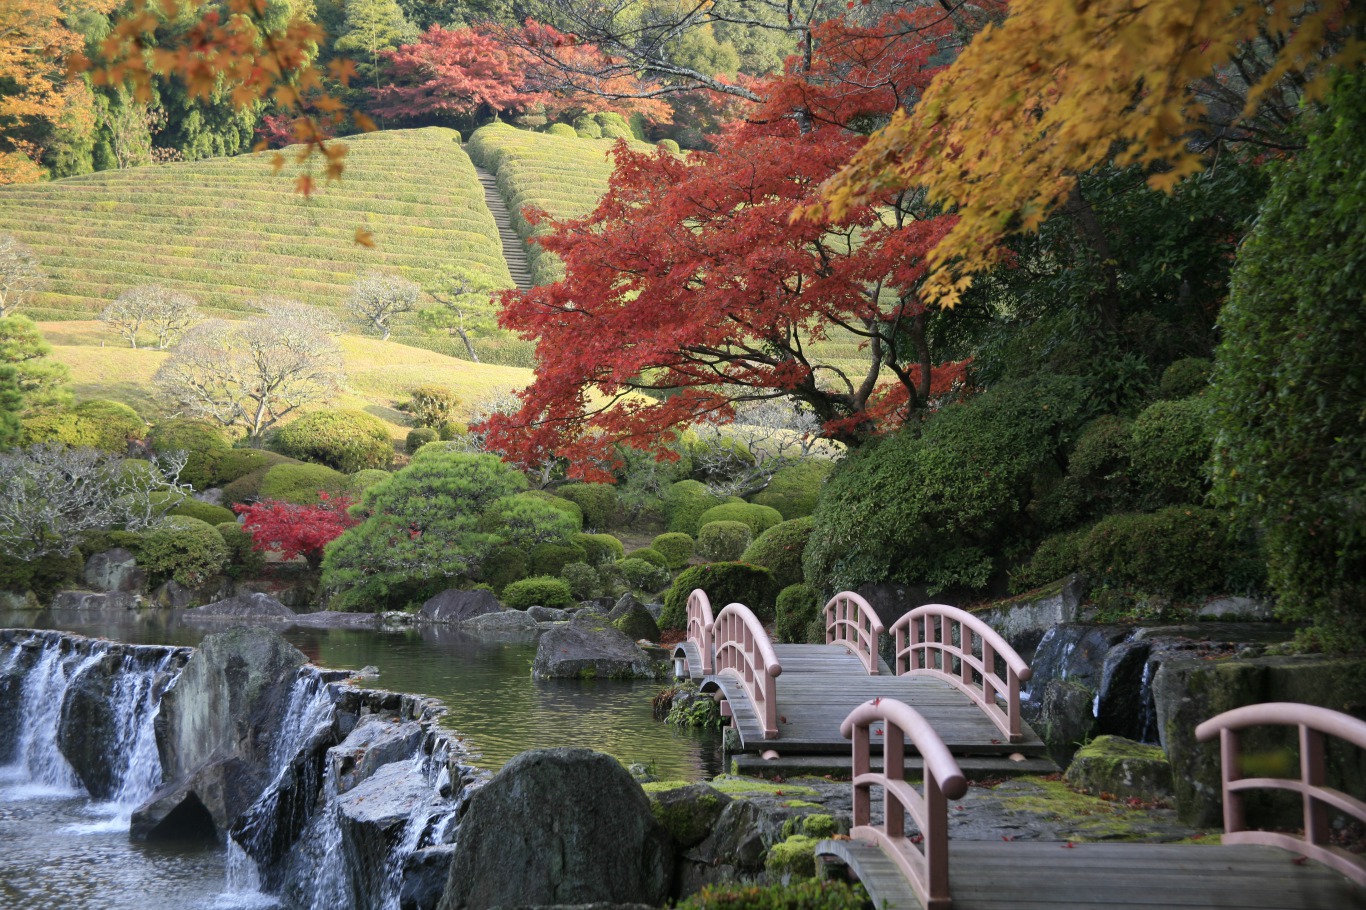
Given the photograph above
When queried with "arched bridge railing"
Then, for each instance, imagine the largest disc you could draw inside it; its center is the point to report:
(744, 650)
(926, 867)
(954, 645)
(1313, 723)
(850, 621)
(700, 623)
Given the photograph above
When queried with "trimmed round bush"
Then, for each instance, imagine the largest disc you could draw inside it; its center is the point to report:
(582, 579)
(1178, 551)
(562, 129)
(202, 443)
(669, 146)
(759, 518)
(452, 429)
(794, 490)
(54, 426)
(108, 425)
(677, 548)
(347, 441)
(599, 548)
(245, 489)
(642, 575)
(418, 438)
(205, 512)
(1056, 557)
(1169, 447)
(797, 607)
(359, 482)
(244, 560)
(723, 541)
(684, 503)
(542, 590)
(1185, 378)
(431, 406)
(585, 127)
(301, 483)
(238, 463)
(597, 500)
(569, 508)
(779, 549)
(184, 549)
(502, 567)
(551, 558)
(653, 557)
(725, 583)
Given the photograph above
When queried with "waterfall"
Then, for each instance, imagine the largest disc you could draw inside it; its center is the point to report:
(39, 766)
(138, 701)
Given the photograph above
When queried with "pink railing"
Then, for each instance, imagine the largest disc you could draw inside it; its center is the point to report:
(1313, 724)
(744, 650)
(700, 624)
(850, 621)
(926, 867)
(956, 646)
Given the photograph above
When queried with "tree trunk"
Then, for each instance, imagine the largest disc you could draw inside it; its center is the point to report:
(469, 345)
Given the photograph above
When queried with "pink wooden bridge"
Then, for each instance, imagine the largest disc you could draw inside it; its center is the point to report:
(909, 861)
(791, 699)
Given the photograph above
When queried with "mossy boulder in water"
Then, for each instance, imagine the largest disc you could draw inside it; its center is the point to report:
(1113, 764)
(589, 647)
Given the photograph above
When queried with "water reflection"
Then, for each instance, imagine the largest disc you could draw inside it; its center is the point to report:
(493, 703)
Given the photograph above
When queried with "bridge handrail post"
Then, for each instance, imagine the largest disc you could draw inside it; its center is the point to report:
(700, 626)
(1313, 724)
(926, 868)
(851, 621)
(921, 648)
(744, 648)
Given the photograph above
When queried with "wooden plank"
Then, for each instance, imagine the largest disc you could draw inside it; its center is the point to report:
(878, 875)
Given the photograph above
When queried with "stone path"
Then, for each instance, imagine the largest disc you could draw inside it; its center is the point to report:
(514, 250)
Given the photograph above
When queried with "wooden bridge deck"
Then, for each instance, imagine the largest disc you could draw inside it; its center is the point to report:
(821, 684)
(1035, 875)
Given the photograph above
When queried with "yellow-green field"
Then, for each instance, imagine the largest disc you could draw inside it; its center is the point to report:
(228, 230)
(565, 176)
(380, 375)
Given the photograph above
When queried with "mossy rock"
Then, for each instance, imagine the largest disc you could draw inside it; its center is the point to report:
(794, 858)
(689, 813)
(638, 624)
(693, 710)
(1122, 767)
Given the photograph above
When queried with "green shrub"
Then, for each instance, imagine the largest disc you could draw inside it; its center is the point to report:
(585, 127)
(418, 438)
(684, 503)
(1169, 448)
(431, 406)
(244, 560)
(562, 129)
(52, 426)
(643, 576)
(1289, 385)
(108, 425)
(599, 548)
(205, 512)
(1185, 378)
(614, 126)
(794, 490)
(723, 541)
(545, 590)
(669, 146)
(779, 549)
(759, 518)
(948, 508)
(502, 567)
(184, 549)
(812, 894)
(653, 557)
(564, 505)
(582, 579)
(301, 483)
(597, 500)
(238, 463)
(202, 443)
(677, 548)
(1056, 557)
(725, 583)
(1178, 551)
(43, 576)
(359, 482)
(452, 429)
(347, 441)
(798, 605)
(245, 489)
(526, 520)
(551, 558)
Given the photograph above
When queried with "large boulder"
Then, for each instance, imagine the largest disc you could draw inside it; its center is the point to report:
(375, 742)
(374, 816)
(637, 624)
(456, 605)
(249, 605)
(115, 571)
(1122, 767)
(515, 622)
(589, 647)
(559, 826)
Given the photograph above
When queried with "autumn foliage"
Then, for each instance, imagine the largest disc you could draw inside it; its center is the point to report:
(294, 530)
(451, 72)
(692, 278)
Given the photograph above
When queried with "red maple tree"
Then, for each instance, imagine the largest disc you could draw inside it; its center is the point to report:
(709, 278)
(452, 73)
(294, 530)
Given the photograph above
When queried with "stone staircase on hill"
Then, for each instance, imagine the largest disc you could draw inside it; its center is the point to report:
(514, 250)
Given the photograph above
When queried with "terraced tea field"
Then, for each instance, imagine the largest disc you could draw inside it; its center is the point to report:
(228, 230)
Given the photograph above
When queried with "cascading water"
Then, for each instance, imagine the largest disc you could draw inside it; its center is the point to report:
(38, 765)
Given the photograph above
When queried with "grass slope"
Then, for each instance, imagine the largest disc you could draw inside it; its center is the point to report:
(564, 176)
(228, 230)
(380, 375)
